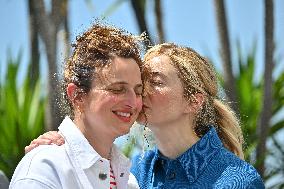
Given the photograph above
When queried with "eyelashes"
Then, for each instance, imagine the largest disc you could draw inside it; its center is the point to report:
(123, 90)
(157, 83)
(117, 91)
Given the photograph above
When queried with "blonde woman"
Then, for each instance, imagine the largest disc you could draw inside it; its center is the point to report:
(198, 137)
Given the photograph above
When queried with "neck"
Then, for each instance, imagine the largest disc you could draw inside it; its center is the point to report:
(175, 138)
(101, 142)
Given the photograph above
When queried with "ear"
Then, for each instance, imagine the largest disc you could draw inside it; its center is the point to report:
(73, 93)
(195, 103)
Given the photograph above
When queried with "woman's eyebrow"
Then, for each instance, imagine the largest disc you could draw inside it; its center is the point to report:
(125, 83)
(158, 74)
(119, 82)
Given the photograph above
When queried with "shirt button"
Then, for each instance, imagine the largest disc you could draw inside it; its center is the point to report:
(172, 176)
(102, 176)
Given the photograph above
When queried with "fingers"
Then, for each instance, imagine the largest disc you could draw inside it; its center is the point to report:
(54, 136)
(41, 141)
(36, 142)
(30, 147)
(46, 139)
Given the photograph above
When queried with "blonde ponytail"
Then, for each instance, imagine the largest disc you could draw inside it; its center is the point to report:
(198, 76)
(228, 129)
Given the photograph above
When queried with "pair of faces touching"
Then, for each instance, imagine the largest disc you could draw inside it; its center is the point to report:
(115, 102)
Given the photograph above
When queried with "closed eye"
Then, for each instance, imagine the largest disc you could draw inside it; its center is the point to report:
(156, 82)
(117, 90)
(139, 90)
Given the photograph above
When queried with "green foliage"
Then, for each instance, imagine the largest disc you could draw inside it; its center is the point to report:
(249, 94)
(21, 116)
(139, 140)
(128, 149)
(250, 99)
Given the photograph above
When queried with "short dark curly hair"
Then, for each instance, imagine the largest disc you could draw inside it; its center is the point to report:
(94, 49)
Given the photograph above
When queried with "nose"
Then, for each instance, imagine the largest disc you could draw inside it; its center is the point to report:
(132, 100)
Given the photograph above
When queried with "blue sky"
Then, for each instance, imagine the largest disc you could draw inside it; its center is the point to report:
(186, 22)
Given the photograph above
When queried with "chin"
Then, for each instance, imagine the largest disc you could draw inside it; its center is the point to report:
(125, 130)
(124, 133)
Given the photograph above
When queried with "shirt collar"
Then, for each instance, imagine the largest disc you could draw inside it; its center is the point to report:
(121, 167)
(196, 158)
(86, 156)
(80, 146)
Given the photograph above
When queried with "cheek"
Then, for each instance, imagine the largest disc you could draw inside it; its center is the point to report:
(165, 100)
(113, 99)
(139, 104)
(159, 96)
(105, 102)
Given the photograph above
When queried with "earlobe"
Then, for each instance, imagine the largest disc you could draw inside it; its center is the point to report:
(72, 92)
(199, 100)
(195, 103)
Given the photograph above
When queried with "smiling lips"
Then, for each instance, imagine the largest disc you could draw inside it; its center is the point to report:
(123, 116)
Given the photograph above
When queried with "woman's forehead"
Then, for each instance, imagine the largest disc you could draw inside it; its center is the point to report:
(160, 65)
(119, 70)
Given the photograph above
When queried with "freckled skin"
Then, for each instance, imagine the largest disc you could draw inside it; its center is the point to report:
(101, 103)
(164, 97)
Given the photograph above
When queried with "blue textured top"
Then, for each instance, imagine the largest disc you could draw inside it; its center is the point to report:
(207, 164)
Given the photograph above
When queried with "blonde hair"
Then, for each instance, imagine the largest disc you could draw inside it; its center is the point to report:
(198, 76)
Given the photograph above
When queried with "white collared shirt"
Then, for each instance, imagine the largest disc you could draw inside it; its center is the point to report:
(73, 165)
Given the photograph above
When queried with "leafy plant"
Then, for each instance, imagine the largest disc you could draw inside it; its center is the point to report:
(21, 115)
(250, 96)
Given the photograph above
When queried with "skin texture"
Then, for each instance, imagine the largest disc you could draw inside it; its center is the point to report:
(108, 110)
(111, 106)
(169, 115)
(164, 102)
(118, 91)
